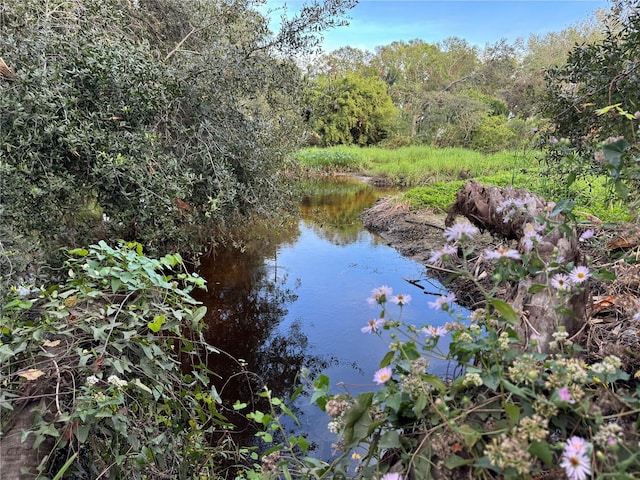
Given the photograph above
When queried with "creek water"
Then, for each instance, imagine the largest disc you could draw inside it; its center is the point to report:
(295, 298)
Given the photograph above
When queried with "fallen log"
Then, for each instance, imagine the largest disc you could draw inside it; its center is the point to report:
(507, 213)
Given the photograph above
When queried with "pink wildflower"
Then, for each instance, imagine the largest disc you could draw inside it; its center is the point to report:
(373, 325)
(502, 252)
(383, 375)
(575, 460)
(442, 300)
(576, 445)
(391, 476)
(560, 281)
(437, 255)
(379, 295)
(565, 395)
(531, 235)
(460, 231)
(579, 275)
(434, 331)
(401, 299)
(587, 234)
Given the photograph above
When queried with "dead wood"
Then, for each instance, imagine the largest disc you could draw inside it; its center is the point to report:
(504, 213)
(484, 207)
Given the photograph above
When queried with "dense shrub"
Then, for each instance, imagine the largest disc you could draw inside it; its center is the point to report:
(119, 359)
(160, 121)
(492, 135)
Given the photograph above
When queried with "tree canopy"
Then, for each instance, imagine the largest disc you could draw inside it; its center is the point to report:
(350, 110)
(158, 121)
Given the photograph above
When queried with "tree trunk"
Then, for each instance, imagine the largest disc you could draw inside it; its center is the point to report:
(20, 460)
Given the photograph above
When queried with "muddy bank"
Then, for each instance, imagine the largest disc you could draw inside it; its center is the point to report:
(415, 233)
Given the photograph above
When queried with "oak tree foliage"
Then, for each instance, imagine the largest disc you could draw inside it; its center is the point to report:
(162, 121)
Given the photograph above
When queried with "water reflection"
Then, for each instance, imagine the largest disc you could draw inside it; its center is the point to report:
(246, 303)
(332, 209)
(297, 299)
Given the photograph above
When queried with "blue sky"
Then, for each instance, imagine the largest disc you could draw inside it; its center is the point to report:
(380, 22)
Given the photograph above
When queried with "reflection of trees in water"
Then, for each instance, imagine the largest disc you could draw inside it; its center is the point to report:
(247, 301)
(335, 215)
(246, 304)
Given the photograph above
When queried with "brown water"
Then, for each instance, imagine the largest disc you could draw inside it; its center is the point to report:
(295, 300)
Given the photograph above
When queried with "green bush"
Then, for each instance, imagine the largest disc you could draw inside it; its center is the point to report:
(114, 127)
(492, 135)
(122, 340)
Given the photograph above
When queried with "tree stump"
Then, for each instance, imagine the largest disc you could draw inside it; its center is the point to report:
(539, 312)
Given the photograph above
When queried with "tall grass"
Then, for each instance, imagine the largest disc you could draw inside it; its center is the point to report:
(415, 165)
(436, 175)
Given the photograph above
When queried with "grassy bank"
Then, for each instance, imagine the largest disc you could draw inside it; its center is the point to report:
(415, 165)
(434, 175)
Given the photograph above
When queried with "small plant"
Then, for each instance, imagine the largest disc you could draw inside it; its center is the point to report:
(116, 367)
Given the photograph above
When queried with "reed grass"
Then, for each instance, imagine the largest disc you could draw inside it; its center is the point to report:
(434, 175)
(414, 165)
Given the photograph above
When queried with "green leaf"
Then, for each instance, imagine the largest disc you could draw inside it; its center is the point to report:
(515, 389)
(455, 461)
(621, 189)
(471, 436)
(157, 323)
(492, 381)
(357, 419)
(390, 439)
(435, 381)
(536, 287)
(563, 206)
(82, 432)
(198, 314)
(321, 385)
(303, 443)
(419, 405)
(288, 411)
(505, 310)
(604, 275)
(513, 412)
(386, 360)
(115, 284)
(239, 406)
(542, 451)
(607, 109)
(141, 386)
(65, 467)
(394, 402)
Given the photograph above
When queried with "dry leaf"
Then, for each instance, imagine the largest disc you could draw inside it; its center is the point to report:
(31, 374)
(604, 304)
(71, 301)
(49, 343)
(621, 242)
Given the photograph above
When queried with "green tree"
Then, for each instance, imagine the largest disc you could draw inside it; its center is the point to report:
(597, 75)
(342, 62)
(542, 52)
(350, 110)
(160, 122)
(594, 105)
(410, 69)
(449, 120)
